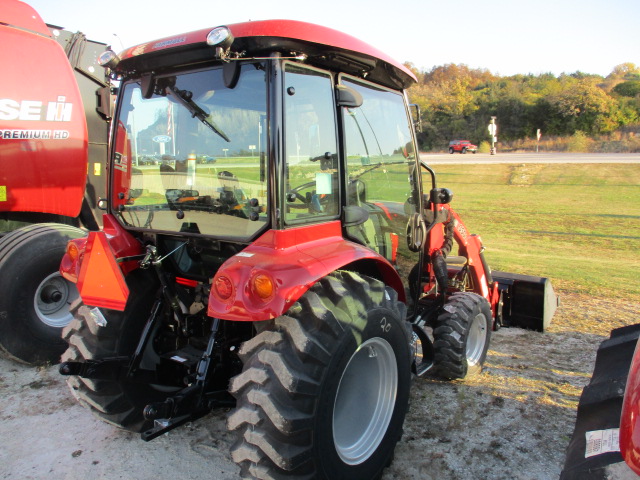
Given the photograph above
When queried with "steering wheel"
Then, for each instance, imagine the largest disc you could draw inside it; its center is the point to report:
(314, 202)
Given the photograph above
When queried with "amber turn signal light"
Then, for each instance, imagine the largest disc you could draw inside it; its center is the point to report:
(262, 286)
(72, 251)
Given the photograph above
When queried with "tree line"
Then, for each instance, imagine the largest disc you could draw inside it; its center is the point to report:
(457, 102)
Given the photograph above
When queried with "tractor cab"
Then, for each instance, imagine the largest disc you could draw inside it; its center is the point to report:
(299, 137)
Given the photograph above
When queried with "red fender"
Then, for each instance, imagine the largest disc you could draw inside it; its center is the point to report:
(630, 417)
(291, 261)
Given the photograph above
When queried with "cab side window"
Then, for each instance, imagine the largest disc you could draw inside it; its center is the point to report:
(381, 164)
(311, 188)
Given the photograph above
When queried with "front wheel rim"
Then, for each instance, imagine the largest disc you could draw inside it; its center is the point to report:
(476, 339)
(51, 302)
(365, 401)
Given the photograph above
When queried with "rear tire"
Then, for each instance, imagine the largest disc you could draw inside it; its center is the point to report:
(118, 402)
(462, 336)
(35, 301)
(325, 388)
(451, 150)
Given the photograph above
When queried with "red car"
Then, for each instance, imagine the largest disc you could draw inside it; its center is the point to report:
(462, 146)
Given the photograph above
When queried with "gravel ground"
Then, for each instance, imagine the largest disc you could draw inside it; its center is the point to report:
(513, 421)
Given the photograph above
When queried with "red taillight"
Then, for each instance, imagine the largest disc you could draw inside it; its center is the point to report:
(186, 282)
(223, 287)
(394, 247)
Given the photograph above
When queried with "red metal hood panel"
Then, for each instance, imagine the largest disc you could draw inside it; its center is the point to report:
(43, 132)
(21, 15)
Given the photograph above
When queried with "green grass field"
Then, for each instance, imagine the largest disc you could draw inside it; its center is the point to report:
(577, 224)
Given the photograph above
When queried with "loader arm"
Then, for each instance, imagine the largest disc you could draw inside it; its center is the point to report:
(516, 300)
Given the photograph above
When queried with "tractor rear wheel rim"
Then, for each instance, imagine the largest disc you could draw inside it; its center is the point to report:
(365, 401)
(52, 299)
(476, 339)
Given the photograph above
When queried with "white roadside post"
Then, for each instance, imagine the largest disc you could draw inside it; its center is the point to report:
(493, 129)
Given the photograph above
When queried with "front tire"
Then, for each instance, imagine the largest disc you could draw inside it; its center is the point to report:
(462, 336)
(325, 388)
(35, 301)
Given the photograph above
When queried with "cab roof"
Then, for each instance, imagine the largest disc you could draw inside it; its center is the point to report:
(323, 47)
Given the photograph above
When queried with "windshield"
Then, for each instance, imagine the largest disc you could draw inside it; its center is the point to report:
(191, 157)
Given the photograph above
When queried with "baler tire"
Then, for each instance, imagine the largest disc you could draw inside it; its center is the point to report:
(462, 335)
(30, 323)
(117, 402)
(298, 415)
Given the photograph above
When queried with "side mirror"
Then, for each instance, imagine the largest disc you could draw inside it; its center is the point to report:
(416, 233)
(417, 117)
(231, 74)
(441, 196)
(348, 97)
(354, 215)
(104, 101)
(147, 85)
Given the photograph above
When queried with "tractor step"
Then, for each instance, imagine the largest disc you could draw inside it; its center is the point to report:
(424, 359)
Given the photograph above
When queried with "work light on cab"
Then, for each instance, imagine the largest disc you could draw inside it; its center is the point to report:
(109, 59)
(220, 38)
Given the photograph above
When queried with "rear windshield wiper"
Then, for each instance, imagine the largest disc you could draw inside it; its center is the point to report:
(183, 97)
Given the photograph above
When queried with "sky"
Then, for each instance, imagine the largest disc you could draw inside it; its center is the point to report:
(506, 37)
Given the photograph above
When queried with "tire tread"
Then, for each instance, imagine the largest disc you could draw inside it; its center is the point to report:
(275, 414)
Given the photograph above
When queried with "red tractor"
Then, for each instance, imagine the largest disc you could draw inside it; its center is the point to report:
(54, 107)
(606, 438)
(299, 274)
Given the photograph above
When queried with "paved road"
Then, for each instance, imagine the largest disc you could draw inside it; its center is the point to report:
(485, 158)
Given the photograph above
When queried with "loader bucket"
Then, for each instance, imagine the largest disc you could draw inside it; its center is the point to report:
(528, 302)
